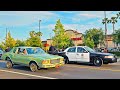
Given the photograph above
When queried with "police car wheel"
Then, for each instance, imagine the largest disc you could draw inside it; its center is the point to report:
(97, 61)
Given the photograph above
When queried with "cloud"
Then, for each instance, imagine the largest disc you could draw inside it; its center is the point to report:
(69, 12)
(86, 15)
(89, 15)
(20, 18)
(28, 20)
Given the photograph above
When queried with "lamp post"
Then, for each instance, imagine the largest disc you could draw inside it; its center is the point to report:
(6, 33)
(39, 25)
(50, 39)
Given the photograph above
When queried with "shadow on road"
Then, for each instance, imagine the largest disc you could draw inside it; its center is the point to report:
(25, 68)
(83, 64)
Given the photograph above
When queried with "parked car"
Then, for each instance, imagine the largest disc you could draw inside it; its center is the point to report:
(1, 53)
(85, 54)
(34, 57)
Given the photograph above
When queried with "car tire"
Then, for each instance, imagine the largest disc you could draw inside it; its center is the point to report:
(33, 67)
(9, 64)
(105, 63)
(97, 62)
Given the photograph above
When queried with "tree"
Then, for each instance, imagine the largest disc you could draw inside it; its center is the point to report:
(20, 43)
(113, 21)
(105, 21)
(61, 38)
(118, 15)
(116, 36)
(35, 39)
(89, 42)
(93, 37)
(9, 42)
(2, 46)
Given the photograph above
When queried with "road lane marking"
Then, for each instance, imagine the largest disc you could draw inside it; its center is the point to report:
(27, 74)
(95, 68)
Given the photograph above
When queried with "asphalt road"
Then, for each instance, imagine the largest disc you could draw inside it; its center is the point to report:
(68, 71)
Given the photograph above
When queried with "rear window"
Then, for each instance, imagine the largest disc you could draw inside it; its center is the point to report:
(72, 49)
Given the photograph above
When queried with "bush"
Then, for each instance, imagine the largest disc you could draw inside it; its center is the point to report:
(116, 53)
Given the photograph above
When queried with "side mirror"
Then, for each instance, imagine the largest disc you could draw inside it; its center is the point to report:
(85, 51)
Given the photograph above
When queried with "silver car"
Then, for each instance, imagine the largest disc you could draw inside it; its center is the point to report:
(1, 52)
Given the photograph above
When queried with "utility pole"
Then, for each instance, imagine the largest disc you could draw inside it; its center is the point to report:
(39, 26)
(105, 30)
(76, 38)
(6, 33)
(50, 39)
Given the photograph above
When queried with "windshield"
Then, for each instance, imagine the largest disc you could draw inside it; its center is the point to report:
(1, 52)
(89, 49)
(35, 51)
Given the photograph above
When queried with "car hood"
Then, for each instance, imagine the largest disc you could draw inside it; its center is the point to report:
(104, 54)
(45, 56)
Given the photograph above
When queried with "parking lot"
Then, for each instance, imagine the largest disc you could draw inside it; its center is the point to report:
(68, 71)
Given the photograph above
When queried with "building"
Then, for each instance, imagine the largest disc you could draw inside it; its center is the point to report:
(47, 44)
(76, 37)
(110, 42)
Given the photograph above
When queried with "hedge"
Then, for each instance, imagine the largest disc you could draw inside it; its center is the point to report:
(116, 53)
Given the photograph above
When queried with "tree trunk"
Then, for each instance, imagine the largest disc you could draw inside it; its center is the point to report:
(113, 28)
(113, 33)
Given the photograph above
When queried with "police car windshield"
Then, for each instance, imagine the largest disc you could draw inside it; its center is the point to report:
(89, 49)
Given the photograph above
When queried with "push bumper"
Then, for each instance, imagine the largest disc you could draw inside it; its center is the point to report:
(56, 65)
(110, 60)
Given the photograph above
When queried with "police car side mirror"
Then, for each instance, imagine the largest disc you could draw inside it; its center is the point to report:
(85, 51)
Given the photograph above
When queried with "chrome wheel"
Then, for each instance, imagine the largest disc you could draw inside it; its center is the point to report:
(97, 62)
(9, 64)
(33, 67)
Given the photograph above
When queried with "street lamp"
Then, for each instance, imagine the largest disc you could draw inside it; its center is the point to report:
(39, 25)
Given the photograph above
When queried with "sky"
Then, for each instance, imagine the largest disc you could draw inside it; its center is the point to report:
(20, 23)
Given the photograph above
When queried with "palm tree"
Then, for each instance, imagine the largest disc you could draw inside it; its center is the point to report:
(105, 21)
(118, 15)
(113, 20)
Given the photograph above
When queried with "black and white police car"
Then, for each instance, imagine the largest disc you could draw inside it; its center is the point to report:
(87, 55)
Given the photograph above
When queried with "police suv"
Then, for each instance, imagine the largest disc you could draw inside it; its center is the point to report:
(87, 55)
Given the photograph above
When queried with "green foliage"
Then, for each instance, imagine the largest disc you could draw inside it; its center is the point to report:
(116, 53)
(116, 36)
(61, 39)
(89, 42)
(93, 37)
(2, 46)
(20, 43)
(9, 42)
(35, 39)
